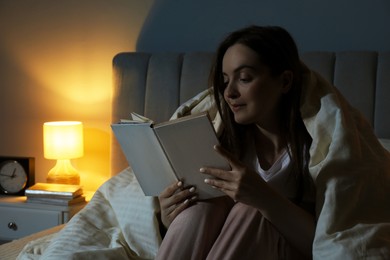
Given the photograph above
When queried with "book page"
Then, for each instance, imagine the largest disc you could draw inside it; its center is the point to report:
(188, 143)
(145, 156)
(136, 119)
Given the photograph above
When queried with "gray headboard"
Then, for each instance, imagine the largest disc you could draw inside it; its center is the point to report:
(155, 84)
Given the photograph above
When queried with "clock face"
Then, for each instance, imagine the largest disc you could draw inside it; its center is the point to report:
(13, 177)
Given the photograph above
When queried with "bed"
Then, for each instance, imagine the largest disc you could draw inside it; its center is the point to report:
(155, 84)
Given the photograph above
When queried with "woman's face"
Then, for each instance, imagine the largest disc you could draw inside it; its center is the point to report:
(252, 94)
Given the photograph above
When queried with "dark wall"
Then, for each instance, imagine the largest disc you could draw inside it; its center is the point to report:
(199, 25)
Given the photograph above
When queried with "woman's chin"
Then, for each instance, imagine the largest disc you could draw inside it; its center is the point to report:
(242, 120)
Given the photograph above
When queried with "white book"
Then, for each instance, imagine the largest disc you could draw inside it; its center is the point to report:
(54, 190)
(161, 154)
(57, 201)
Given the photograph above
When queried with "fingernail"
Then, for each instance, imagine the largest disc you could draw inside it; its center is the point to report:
(207, 180)
(192, 189)
(202, 170)
(186, 201)
(179, 184)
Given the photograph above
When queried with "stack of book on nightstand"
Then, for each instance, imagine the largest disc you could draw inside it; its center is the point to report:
(55, 194)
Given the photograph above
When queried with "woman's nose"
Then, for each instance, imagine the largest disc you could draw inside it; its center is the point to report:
(231, 90)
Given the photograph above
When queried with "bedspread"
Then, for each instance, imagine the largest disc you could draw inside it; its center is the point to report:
(118, 223)
(351, 171)
(350, 168)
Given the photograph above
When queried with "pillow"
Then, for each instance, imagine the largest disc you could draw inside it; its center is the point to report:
(385, 143)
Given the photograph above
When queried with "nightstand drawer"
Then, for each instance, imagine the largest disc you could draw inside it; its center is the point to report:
(19, 222)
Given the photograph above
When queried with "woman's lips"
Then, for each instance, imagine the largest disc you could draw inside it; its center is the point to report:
(236, 107)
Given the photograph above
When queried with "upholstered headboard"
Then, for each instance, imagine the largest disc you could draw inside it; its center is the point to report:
(155, 84)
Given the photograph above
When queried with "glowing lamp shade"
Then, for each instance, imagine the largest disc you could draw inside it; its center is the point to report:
(62, 141)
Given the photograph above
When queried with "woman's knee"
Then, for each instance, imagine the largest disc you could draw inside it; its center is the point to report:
(206, 210)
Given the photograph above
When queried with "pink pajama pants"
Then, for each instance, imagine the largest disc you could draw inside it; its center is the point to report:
(222, 229)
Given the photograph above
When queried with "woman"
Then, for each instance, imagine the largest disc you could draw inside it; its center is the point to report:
(257, 86)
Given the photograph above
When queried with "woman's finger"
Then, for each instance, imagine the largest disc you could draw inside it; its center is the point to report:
(217, 173)
(171, 189)
(220, 184)
(181, 206)
(177, 197)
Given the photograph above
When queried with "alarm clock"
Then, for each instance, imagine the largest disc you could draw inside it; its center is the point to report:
(16, 174)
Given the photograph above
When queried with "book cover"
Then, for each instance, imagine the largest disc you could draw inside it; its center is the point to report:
(54, 190)
(163, 153)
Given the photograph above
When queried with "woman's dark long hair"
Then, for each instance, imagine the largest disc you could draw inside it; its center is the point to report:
(277, 50)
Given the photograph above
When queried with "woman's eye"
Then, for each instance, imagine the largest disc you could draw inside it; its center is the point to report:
(245, 80)
(245, 77)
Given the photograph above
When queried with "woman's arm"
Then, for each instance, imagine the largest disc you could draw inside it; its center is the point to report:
(295, 223)
(247, 186)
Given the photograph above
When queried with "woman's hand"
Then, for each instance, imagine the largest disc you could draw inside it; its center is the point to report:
(173, 200)
(240, 183)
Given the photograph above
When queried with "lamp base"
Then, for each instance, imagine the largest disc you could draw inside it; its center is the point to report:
(64, 173)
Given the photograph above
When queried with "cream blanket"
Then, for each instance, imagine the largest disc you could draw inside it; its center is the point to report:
(351, 171)
(350, 168)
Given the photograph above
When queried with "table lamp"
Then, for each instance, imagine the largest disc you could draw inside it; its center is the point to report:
(63, 140)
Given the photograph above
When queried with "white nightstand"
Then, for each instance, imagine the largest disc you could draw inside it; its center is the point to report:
(19, 218)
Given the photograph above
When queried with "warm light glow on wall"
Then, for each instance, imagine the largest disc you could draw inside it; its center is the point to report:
(68, 77)
(57, 62)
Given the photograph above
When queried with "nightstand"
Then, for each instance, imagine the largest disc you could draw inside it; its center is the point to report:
(19, 218)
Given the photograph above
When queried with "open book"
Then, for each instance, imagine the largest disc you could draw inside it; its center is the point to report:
(161, 154)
